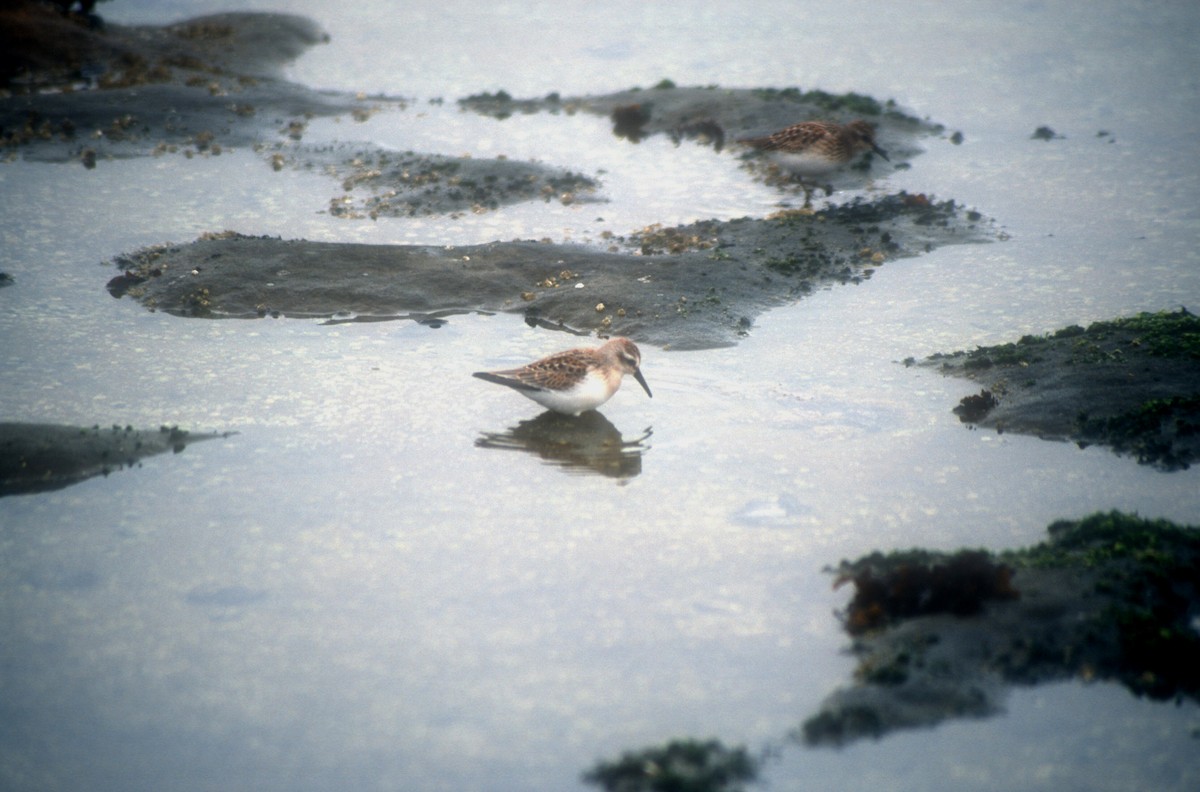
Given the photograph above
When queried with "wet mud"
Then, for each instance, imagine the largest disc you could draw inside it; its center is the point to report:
(1111, 597)
(687, 287)
(1131, 384)
(720, 117)
(379, 183)
(83, 92)
(938, 636)
(44, 457)
(202, 86)
(77, 92)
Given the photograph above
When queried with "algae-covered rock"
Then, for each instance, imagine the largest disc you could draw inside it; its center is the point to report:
(943, 635)
(1132, 384)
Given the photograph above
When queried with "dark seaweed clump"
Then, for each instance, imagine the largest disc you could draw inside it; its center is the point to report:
(679, 766)
(903, 585)
(974, 408)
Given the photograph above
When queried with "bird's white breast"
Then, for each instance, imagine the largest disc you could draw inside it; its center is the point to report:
(804, 163)
(588, 394)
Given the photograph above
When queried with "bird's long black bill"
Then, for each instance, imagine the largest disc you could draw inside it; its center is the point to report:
(880, 152)
(637, 374)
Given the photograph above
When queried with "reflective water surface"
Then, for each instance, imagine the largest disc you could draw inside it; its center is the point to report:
(366, 588)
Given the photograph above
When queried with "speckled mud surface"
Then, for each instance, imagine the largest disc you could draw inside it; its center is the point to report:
(689, 288)
(409, 184)
(719, 116)
(208, 85)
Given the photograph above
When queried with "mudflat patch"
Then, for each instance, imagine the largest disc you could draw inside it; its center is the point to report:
(1132, 384)
(688, 287)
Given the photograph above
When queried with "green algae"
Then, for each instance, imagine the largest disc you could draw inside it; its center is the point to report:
(1131, 383)
(1149, 570)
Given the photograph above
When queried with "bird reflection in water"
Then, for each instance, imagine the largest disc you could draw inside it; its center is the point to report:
(587, 444)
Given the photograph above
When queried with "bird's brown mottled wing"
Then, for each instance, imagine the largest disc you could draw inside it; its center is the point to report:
(793, 138)
(557, 372)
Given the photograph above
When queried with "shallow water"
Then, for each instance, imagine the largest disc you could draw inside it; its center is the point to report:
(350, 593)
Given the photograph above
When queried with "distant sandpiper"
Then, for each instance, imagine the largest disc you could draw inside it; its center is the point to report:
(815, 148)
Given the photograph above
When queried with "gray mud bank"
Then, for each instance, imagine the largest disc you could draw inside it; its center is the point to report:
(688, 287)
(72, 91)
(204, 85)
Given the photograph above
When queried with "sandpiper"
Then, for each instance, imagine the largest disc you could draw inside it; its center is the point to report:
(815, 148)
(576, 380)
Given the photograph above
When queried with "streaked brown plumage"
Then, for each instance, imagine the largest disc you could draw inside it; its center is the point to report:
(815, 147)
